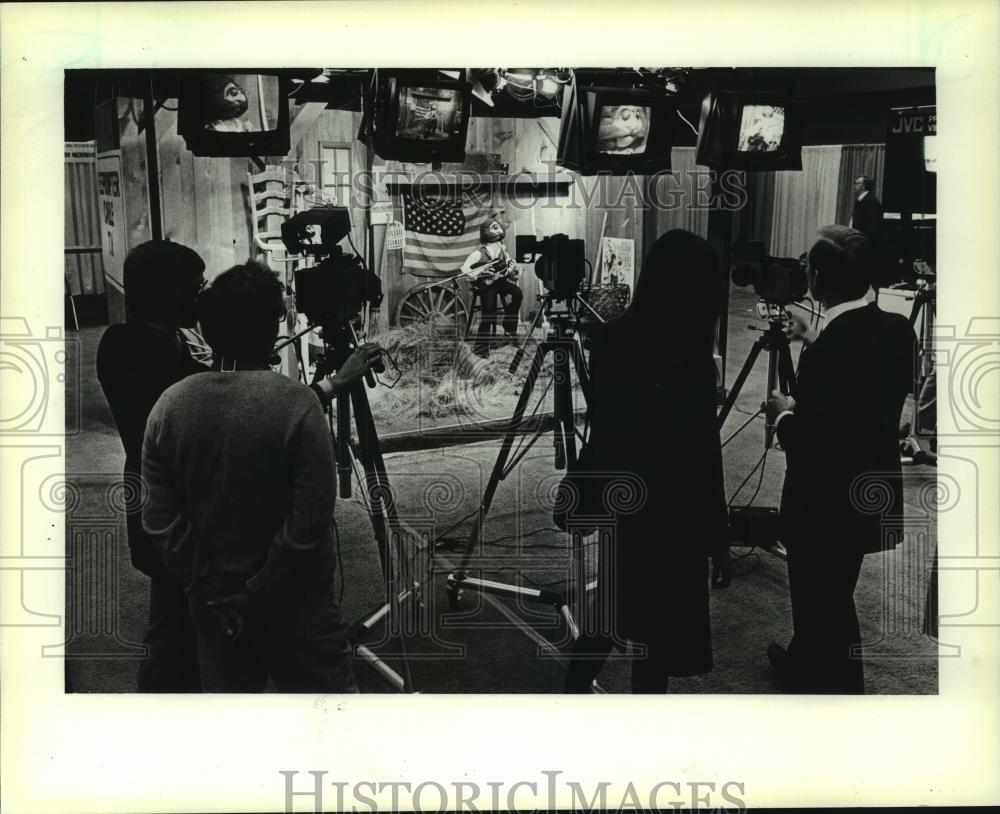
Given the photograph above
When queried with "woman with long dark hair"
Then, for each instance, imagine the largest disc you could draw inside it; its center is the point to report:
(136, 361)
(653, 419)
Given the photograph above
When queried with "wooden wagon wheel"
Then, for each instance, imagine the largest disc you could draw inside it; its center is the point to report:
(432, 301)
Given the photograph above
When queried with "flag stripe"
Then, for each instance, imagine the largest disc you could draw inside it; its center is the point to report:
(433, 241)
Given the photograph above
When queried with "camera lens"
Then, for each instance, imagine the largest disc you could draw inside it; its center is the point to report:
(742, 274)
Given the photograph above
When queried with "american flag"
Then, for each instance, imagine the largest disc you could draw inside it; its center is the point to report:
(440, 233)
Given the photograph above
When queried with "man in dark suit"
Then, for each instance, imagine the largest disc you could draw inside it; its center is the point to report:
(842, 497)
(866, 216)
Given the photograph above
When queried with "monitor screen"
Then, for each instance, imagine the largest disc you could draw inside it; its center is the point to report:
(930, 153)
(429, 114)
(762, 128)
(623, 129)
(240, 103)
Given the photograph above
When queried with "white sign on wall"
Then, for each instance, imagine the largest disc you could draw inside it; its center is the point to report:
(110, 197)
(618, 261)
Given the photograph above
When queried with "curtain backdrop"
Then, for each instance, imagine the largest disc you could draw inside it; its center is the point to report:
(754, 221)
(676, 195)
(858, 159)
(804, 201)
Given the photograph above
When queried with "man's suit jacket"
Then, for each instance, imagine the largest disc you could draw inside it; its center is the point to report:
(843, 478)
(867, 216)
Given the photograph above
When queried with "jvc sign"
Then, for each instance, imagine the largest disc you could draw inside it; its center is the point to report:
(919, 122)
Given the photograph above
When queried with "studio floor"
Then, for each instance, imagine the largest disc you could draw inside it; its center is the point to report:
(489, 644)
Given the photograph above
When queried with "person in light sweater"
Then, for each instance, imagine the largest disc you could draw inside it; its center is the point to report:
(239, 466)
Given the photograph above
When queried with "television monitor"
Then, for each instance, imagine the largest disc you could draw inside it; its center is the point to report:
(930, 153)
(419, 120)
(234, 112)
(910, 173)
(749, 131)
(761, 128)
(616, 130)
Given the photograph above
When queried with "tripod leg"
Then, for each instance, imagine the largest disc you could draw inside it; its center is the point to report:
(505, 446)
(582, 375)
(786, 370)
(769, 387)
(383, 508)
(515, 363)
(300, 358)
(562, 408)
(780, 376)
(379, 493)
(727, 406)
(578, 553)
(344, 444)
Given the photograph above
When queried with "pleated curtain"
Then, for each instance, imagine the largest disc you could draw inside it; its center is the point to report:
(855, 160)
(679, 190)
(804, 201)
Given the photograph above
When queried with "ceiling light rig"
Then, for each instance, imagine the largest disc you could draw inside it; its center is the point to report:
(536, 86)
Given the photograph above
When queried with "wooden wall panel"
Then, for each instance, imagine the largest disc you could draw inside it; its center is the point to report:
(241, 212)
(337, 127)
(205, 201)
(176, 182)
(134, 175)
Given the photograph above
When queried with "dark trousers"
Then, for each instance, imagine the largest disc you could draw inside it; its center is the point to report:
(598, 636)
(488, 318)
(172, 664)
(825, 651)
(650, 672)
(301, 646)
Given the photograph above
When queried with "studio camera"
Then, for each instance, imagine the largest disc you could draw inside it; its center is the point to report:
(559, 262)
(335, 289)
(776, 280)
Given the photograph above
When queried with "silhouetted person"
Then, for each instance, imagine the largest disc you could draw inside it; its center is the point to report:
(843, 491)
(866, 216)
(136, 361)
(239, 462)
(652, 408)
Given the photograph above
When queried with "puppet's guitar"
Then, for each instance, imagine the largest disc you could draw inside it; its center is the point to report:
(492, 270)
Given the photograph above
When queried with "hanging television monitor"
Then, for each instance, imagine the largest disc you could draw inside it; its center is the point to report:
(746, 131)
(616, 130)
(234, 112)
(418, 119)
(910, 182)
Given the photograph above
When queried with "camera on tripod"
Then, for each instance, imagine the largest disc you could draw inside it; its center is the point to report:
(776, 280)
(337, 287)
(559, 262)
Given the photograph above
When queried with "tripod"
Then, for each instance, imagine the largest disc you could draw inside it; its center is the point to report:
(924, 304)
(340, 340)
(780, 375)
(562, 341)
(780, 371)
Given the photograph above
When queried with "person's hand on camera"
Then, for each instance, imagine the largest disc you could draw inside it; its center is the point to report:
(229, 611)
(367, 357)
(799, 329)
(779, 403)
(722, 569)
